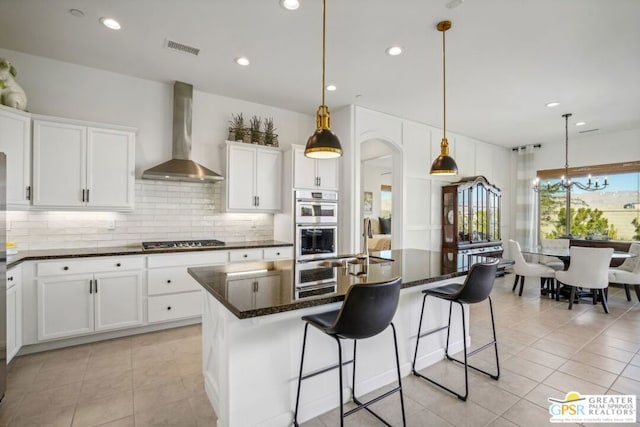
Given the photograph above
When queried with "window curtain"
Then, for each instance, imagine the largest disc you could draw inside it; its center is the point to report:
(526, 230)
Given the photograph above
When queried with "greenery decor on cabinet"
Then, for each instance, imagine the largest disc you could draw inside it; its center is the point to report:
(270, 137)
(257, 136)
(237, 129)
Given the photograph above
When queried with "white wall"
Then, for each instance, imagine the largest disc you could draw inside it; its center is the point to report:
(419, 145)
(67, 90)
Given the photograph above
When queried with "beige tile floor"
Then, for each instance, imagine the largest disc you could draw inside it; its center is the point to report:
(145, 380)
(155, 379)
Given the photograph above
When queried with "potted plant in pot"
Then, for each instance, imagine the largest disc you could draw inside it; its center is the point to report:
(256, 135)
(270, 137)
(237, 130)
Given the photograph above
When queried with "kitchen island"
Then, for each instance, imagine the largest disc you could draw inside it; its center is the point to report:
(252, 332)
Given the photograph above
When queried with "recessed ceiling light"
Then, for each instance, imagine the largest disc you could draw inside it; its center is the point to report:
(454, 3)
(77, 13)
(331, 88)
(394, 50)
(581, 123)
(290, 4)
(110, 23)
(552, 104)
(242, 61)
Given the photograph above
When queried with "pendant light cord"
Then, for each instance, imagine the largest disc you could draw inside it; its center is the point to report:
(444, 88)
(566, 145)
(324, 37)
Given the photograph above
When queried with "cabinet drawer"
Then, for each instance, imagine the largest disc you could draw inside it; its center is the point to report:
(278, 253)
(193, 258)
(171, 280)
(14, 276)
(177, 306)
(245, 255)
(95, 265)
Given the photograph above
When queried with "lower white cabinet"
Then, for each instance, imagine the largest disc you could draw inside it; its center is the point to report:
(172, 293)
(80, 304)
(14, 312)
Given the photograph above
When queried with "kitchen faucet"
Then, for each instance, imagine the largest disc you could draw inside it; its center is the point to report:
(366, 235)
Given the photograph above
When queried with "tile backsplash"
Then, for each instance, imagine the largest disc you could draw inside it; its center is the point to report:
(163, 211)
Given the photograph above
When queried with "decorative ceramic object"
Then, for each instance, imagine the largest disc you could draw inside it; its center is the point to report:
(11, 94)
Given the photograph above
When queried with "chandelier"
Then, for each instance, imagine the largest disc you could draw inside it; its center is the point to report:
(565, 180)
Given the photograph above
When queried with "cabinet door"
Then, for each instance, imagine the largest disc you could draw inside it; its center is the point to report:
(266, 294)
(304, 170)
(240, 292)
(12, 305)
(110, 168)
(118, 300)
(327, 171)
(268, 179)
(241, 168)
(15, 142)
(65, 306)
(59, 164)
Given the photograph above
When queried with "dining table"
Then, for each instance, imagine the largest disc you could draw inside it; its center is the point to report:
(565, 256)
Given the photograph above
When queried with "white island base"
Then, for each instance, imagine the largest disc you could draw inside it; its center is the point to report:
(251, 365)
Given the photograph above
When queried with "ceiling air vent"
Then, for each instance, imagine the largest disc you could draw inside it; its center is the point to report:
(182, 48)
(588, 130)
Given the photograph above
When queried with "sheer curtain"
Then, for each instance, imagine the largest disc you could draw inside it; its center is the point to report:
(526, 230)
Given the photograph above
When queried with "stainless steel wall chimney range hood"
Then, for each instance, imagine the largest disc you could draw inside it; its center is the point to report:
(181, 167)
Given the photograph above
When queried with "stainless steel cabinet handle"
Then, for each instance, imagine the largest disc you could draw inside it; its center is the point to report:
(319, 181)
(118, 265)
(87, 195)
(10, 278)
(257, 200)
(245, 255)
(91, 286)
(29, 192)
(169, 281)
(95, 286)
(65, 268)
(169, 308)
(84, 192)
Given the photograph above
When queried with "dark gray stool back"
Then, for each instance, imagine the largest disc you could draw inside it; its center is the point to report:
(479, 283)
(368, 309)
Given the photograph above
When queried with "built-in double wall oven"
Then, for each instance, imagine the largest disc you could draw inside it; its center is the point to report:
(316, 225)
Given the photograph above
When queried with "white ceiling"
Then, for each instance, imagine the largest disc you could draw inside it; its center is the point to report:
(505, 58)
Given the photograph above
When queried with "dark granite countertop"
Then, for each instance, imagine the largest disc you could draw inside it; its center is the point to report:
(13, 260)
(258, 289)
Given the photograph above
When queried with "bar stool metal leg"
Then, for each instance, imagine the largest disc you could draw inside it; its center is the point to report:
(304, 344)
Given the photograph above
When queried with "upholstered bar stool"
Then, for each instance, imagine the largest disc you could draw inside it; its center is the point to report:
(476, 288)
(368, 310)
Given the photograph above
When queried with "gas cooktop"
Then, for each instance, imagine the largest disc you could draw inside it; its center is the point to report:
(181, 244)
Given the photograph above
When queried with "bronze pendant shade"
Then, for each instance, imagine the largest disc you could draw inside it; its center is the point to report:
(444, 163)
(323, 144)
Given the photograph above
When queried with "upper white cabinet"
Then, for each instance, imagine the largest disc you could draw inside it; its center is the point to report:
(15, 142)
(78, 166)
(253, 178)
(314, 174)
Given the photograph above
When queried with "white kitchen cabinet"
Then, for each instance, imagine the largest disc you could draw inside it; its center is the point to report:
(76, 166)
(73, 304)
(313, 173)
(14, 312)
(118, 300)
(15, 142)
(253, 178)
(172, 293)
(253, 292)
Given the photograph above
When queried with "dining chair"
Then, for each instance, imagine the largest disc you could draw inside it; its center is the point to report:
(523, 269)
(628, 274)
(589, 269)
(550, 261)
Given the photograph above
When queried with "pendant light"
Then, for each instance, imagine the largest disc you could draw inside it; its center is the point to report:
(444, 164)
(323, 144)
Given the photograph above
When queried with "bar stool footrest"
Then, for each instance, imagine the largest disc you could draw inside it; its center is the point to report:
(365, 405)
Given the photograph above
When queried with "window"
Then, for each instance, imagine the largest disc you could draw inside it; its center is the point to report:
(611, 213)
